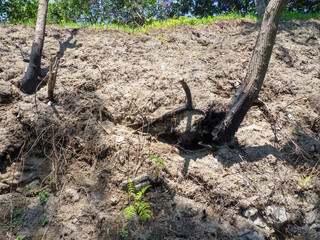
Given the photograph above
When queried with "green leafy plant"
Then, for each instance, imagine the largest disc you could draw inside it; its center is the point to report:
(158, 160)
(108, 170)
(123, 233)
(19, 238)
(15, 223)
(43, 196)
(158, 164)
(303, 182)
(43, 222)
(16, 219)
(138, 207)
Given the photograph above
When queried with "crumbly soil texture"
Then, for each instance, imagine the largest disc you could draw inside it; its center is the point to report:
(65, 165)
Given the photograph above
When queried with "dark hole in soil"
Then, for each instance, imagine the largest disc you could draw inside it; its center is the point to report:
(11, 153)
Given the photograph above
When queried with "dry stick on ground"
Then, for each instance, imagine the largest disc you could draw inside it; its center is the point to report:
(52, 74)
(187, 107)
(52, 77)
(25, 56)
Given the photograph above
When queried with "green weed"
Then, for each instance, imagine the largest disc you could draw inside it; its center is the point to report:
(16, 221)
(303, 182)
(43, 222)
(138, 207)
(108, 170)
(158, 164)
(158, 160)
(43, 196)
(123, 233)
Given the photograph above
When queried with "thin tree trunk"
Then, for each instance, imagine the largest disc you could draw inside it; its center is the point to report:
(250, 88)
(32, 77)
(260, 6)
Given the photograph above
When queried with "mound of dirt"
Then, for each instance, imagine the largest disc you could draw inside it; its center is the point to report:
(64, 166)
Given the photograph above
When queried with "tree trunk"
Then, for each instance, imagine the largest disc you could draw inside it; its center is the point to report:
(32, 77)
(250, 88)
(260, 6)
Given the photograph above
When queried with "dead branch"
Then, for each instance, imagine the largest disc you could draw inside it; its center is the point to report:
(52, 77)
(24, 55)
(186, 107)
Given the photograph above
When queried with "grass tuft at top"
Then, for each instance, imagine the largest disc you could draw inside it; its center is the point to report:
(182, 21)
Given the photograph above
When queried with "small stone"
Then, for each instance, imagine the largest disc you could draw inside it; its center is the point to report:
(276, 214)
(259, 222)
(142, 185)
(102, 216)
(272, 159)
(290, 117)
(249, 212)
(119, 139)
(139, 182)
(114, 201)
(249, 235)
(311, 217)
(75, 220)
(35, 182)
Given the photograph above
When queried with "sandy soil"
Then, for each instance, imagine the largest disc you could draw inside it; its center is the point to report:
(80, 150)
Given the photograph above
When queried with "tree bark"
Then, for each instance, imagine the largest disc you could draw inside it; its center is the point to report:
(32, 78)
(260, 6)
(250, 88)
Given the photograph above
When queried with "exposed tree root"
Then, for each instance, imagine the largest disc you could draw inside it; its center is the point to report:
(186, 107)
(25, 56)
(199, 133)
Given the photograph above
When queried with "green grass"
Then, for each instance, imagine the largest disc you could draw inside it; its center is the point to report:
(182, 21)
(297, 15)
(185, 21)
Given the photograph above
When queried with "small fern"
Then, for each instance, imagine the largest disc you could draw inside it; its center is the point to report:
(130, 189)
(141, 192)
(129, 212)
(141, 208)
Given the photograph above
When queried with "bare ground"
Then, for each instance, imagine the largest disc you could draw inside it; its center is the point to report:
(80, 150)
